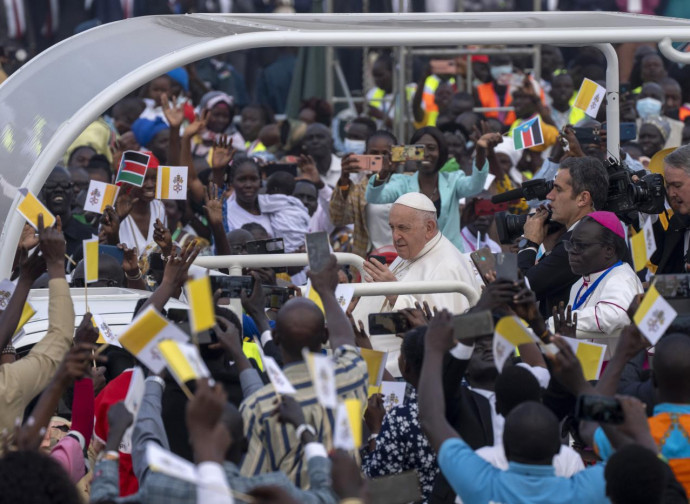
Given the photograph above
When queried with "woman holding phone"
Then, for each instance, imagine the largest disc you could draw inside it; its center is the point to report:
(443, 189)
(349, 205)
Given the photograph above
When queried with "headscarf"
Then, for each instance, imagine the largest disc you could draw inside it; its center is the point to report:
(659, 123)
(146, 129)
(213, 98)
(180, 76)
(508, 148)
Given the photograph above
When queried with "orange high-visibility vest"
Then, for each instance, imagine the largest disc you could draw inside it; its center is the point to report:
(489, 98)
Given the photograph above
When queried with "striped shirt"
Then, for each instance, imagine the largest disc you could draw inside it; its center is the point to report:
(273, 445)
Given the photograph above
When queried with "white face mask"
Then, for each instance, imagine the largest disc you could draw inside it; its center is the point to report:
(648, 107)
(500, 72)
(355, 146)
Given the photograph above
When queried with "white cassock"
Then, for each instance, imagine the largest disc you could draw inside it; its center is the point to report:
(603, 314)
(438, 260)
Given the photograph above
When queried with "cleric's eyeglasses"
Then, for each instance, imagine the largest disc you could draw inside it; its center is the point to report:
(577, 246)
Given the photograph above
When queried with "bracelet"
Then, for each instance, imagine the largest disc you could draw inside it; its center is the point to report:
(305, 427)
(9, 350)
(157, 379)
(134, 277)
(372, 437)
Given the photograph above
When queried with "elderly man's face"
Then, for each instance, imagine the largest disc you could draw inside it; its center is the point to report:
(410, 231)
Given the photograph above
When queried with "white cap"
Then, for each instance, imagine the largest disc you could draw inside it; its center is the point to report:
(416, 200)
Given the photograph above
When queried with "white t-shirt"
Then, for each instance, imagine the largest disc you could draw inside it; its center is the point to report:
(238, 217)
(130, 234)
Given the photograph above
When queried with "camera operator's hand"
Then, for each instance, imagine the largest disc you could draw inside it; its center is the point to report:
(536, 225)
(573, 143)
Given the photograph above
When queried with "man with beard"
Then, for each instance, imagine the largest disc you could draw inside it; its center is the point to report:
(57, 195)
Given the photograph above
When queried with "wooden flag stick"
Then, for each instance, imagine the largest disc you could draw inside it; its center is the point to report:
(70, 260)
(186, 391)
(86, 291)
(102, 348)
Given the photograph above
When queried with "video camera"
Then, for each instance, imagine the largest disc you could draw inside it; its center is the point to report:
(647, 195)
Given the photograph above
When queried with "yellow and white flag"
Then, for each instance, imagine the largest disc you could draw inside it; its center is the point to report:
(105, 333)
(30, 208)
(161, 460)
(590, 355)
(91, 260)
(347, 432)
(6, 292)
(654, 315)
(183, 360)
(172, 182)
(590, 97)
(278, 379)
(376, 365)
(322, 372)
(202, 315)
(142, 337)
(99, 196)
(643, 245)
(510, 333)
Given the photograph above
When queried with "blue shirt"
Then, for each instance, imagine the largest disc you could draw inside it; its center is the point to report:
(452, 186)
(478, 482)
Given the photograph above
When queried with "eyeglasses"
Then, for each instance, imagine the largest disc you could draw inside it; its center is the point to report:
(577, 246)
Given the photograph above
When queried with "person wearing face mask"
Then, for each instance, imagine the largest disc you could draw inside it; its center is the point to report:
(349, 204)
(497, 92)
(650, 105)
(356, 133)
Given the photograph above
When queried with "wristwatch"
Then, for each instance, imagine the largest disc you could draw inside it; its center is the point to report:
(525, 243)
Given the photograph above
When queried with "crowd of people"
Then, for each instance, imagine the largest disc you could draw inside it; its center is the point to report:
(471, 427)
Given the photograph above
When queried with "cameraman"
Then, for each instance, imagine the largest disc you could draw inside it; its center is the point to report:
(672, 255)
(580, 187)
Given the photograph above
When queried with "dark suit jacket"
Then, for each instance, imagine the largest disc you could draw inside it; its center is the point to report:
(551, 278)
(470, 415)
(669, 255)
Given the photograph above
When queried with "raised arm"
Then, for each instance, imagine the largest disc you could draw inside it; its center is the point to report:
(325, 282)
(432, 405)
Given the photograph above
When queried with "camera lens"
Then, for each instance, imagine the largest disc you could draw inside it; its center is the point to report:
(509, 226)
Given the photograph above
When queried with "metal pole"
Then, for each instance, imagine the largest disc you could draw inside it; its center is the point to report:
(346, 88)
(399, 93)
(330, 91)
(612, 102)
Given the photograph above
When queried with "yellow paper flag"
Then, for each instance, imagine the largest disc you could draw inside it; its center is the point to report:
(202, 315)
(590, 357)
(354, 414)
(171, 182)
(30, 208)
(654, 315)
(376, 365)
(183, 360)
(27, 312)
(590, 97)
(314, 296)
(91, 260)
(639, 251)
(142, 331)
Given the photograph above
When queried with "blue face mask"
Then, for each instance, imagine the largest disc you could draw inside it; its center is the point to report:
(355, 146)
(498, 71)
(648, 107)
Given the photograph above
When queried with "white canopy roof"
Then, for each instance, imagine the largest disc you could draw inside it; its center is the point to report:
(48, 102)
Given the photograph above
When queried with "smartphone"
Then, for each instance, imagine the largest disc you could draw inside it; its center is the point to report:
(113, 251)
(368, 163)
(276, 297)
(272, 168)
(444, 66)
(388, 323)
(485, 262)
(472, 325)
(232, 286)
(586, 136)
(270, 246)
(506, 267)
(599, 409)
(379, 258)
(628, 131)
(395, 489)
(402, 153)
(318, 250)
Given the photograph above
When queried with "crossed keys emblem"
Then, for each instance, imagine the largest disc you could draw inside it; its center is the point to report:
(94, 196)
(177, 183)
(4, 299)
(655, 321)
(391, 400)
(595, 102)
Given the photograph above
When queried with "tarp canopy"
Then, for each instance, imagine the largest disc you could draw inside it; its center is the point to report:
(48, 102)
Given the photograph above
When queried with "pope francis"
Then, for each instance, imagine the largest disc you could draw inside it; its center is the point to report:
(424, 254)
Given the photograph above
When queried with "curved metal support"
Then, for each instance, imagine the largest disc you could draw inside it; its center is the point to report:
(613, 128)
(667, 49)
(388, 288)
(236, 262)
